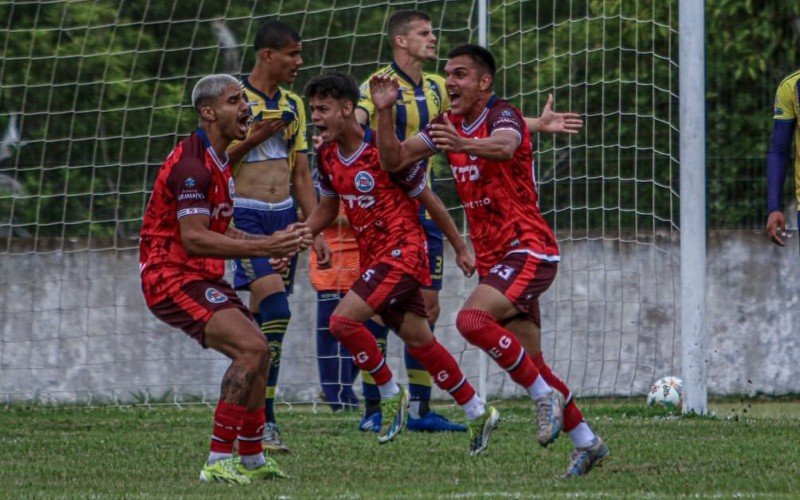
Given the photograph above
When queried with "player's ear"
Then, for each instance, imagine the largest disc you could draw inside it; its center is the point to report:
(347, 107)
(208, 113)
(485, 82)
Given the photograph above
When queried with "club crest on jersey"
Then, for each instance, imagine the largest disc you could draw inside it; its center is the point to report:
(364, 181)
(190, 182)
(215, 296)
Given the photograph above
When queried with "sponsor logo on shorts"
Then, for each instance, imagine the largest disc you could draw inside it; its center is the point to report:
(215, 296)
(364, 181)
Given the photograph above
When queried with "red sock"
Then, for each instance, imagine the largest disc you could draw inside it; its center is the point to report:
(572, 414)
(361, 344)
(251, 433)
(444, 370)
(481, 329)
(228, 419)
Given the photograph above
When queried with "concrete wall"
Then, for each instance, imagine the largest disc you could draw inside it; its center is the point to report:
(74, 326)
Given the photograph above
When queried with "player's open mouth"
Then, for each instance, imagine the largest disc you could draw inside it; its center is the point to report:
(242, 121)
(454, 98)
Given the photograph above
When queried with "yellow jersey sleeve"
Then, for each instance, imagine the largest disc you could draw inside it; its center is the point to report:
(300, 141)
(365, 100)
(444, 104)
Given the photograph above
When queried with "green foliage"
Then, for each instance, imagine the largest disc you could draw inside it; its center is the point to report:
(102, 93)
(158, 452)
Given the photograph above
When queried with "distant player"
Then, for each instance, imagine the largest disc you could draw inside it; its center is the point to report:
(273, 159)
(184, 238)
(422, 98)
(784, 128)
(490, 155)
(393, 259)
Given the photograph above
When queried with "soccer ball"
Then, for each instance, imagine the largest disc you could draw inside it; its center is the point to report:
(667, 391)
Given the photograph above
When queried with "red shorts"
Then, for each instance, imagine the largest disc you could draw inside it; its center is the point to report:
(192, 304)
(522, 278)
(391, 293)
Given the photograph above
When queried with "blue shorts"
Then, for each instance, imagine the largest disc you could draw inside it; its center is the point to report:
(435, 252)
(258, 217)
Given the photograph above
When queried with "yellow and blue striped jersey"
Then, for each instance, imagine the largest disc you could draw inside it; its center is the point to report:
(417, 104)
(787, 108)
(286, 105)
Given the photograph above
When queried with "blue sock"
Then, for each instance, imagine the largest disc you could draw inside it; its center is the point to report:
(275, 315)
(335, 364)
(419, 385)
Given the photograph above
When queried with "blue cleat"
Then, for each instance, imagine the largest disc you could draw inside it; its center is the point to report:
(433, 422)
(370, 423)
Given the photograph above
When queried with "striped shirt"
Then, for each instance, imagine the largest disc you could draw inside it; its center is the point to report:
(292, 139)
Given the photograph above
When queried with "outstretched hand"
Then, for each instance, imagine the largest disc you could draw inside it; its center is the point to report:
(563, 123)
(383, 90)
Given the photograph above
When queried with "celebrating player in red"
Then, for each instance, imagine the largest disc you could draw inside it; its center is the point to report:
(490, 154)
(382, 210)
(184, 240)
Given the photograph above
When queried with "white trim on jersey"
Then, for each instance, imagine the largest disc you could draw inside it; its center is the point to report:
(469, 129)
(350, 159)
(547, 258)
(193, 211)
(508, 129)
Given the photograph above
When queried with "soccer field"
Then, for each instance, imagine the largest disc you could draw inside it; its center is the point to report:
(748, 449)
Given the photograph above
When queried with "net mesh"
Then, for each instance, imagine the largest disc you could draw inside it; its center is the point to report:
(95, 94)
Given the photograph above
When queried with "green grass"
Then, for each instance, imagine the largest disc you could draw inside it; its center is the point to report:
(157, 452)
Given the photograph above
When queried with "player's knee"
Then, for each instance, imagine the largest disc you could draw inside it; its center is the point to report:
(254, 355)
(342, 326)
(433, 310)
(471, 322)
(275, 307)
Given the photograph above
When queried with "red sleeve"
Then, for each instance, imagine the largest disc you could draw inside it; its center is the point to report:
(503, 116)
(190, 182)
(411, 180)
(425, 133)
(324, 184)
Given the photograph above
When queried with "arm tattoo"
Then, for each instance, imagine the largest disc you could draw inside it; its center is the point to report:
(237, 234)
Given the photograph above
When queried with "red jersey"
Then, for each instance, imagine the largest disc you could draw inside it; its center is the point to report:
(499, 197)
(193, 180)
(379, 206)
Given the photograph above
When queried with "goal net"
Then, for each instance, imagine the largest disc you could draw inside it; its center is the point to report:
(95, 94)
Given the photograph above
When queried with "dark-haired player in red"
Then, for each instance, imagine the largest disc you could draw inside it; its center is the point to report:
(490, 154)
(184, 240)
(382, 210)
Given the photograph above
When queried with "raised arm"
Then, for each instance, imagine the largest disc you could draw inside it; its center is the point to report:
(433, 204)
(260, 131)
(395, 155)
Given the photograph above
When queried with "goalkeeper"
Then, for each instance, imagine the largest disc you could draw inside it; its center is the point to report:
(424, 97)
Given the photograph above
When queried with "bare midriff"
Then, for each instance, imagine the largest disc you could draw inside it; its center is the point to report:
(266, 181)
